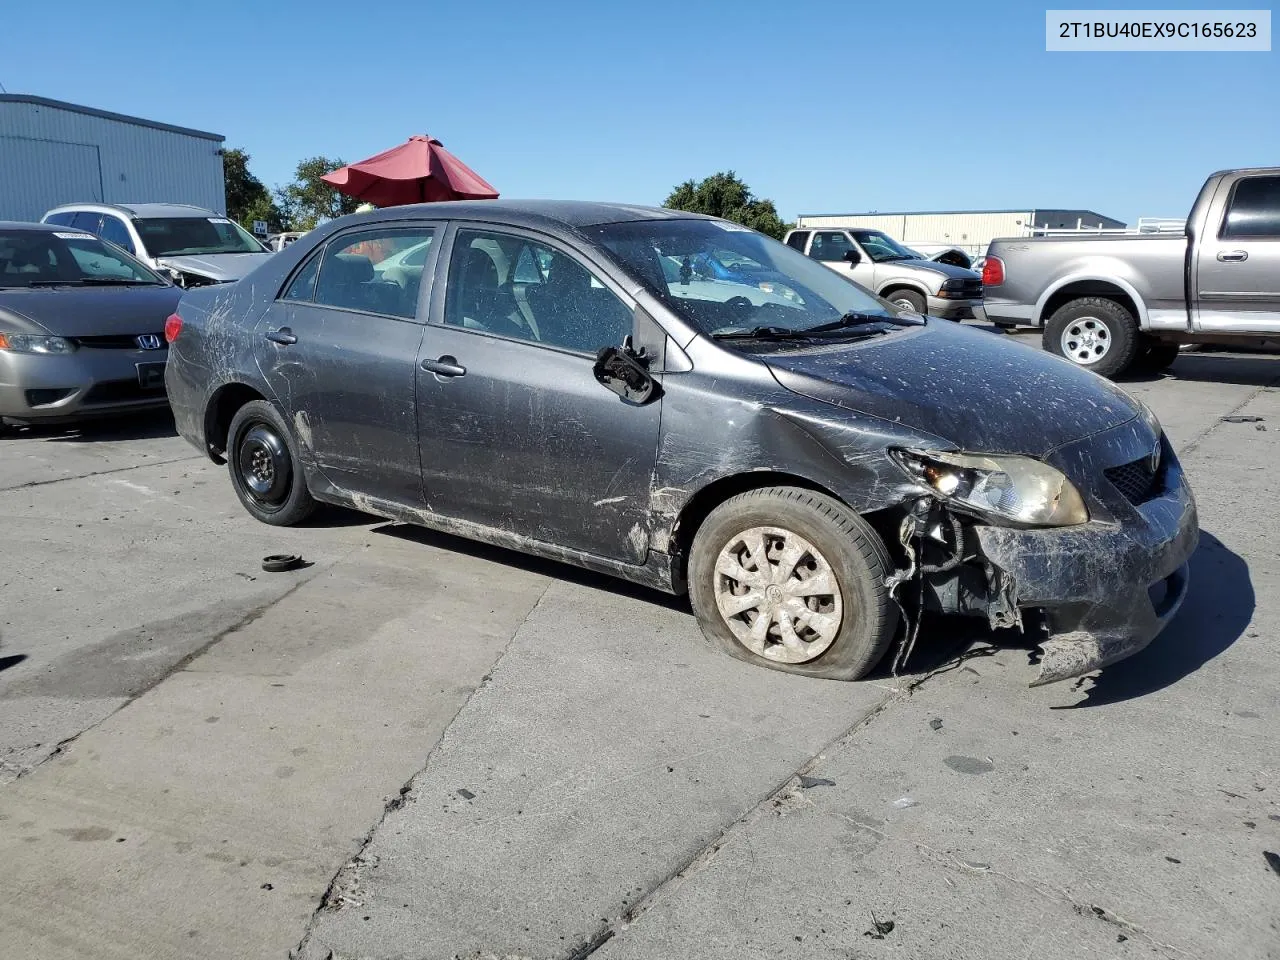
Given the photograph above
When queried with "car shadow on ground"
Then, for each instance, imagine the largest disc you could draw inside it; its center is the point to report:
(11, 661)
(554, 569)
(1216, 613)
(151, 425)
(1244, 370)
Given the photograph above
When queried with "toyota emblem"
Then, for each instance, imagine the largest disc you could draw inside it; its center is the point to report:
(149, 341)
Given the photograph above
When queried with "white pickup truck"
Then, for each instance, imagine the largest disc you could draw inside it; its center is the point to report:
(887, 268)
(1112, 303)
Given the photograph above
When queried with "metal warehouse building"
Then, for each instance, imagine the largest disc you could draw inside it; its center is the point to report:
(970, 230)
(53, 152)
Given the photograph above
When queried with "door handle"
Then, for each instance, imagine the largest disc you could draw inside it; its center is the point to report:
(283, 336)
(1233, 256)
(445, 366)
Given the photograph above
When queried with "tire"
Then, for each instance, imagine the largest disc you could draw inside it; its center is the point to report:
(1155, 356)
(844, 633)
(265, 471)
(1101, 328)
(908, 300)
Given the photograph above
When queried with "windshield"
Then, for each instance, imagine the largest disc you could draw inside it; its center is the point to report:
(183, 236)
(723, 278)
(881, 247)
(40, 258)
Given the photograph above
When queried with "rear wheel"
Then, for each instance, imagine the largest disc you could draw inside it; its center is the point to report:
(908, 300)
(1155, 356)
(1097, 334)
(264, 466)
(792, 580)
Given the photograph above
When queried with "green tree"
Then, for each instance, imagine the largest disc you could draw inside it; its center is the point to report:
(308, 200)
(247, 197)
(725, 195)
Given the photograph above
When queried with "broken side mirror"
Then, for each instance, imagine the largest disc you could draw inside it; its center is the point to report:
(852, 256)
(626, 373)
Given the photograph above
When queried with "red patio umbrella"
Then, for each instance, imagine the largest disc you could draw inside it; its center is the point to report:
(417, 171)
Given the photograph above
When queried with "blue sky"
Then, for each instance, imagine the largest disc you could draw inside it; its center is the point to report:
(821, 106)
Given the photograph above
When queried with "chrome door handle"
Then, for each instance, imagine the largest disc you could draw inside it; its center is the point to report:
(445, 366)
(1233, 256)
(283, 336)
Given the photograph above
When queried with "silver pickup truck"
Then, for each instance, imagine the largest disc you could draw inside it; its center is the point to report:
(890, 270)
(1112, 303)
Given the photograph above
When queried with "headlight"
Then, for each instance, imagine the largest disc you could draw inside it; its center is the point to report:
(1019, 489)
(27, 343)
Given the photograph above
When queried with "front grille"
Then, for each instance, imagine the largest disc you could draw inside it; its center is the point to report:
(128, 341)
(118, 391)
(972, 289)
(1136, 481)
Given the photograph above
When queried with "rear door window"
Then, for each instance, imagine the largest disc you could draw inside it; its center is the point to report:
(89, 222)
(798, 239)
(113, 229)
(1254, 210)
(367, 271)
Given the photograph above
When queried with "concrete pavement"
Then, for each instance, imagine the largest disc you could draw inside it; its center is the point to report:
(420, 747)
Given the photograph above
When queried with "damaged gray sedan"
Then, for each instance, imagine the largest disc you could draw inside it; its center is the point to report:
(812, 465)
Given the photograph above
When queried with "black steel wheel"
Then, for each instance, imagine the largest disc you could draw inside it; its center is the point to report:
(264, 467)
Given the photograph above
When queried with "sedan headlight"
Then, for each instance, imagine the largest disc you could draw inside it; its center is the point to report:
(29, 343)
(1018, 489)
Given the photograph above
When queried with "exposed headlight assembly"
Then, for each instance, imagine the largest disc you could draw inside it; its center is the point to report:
(1018, 490)
(28, 343)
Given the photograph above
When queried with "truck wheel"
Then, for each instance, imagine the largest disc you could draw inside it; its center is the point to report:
(793, 580)
(264, 466)
(1154, 356)
(908, 300)
(1098, 334)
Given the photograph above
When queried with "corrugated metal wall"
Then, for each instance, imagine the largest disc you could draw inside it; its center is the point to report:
(969, 230)
(50, 156)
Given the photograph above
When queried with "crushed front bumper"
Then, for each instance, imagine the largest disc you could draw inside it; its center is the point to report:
(1107, 587)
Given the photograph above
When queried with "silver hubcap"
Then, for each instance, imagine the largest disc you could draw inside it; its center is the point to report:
(778, 595)
(1086, 340)
(904, 304)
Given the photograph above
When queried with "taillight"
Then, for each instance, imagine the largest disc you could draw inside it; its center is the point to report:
(992, 272)
(172, 327)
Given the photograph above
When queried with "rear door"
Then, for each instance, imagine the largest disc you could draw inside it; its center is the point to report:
(516, 433)
(1237, 276)
(338, 349)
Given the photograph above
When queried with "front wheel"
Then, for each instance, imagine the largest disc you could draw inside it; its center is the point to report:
(908, 300)
(264, 467)
(793, 580)
(1097, 334)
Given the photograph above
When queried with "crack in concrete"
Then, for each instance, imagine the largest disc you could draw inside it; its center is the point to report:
(1045, 891)
(339, 892)
(1190, 447)
(99, 473)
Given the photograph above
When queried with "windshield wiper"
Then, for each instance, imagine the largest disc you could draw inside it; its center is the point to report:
(760, 333)
(118, 282)
(855, 319)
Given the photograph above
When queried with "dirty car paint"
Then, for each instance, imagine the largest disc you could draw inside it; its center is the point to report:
(822, 415)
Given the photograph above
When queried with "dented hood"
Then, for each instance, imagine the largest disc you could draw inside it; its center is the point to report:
(222, 267)
(982, 392)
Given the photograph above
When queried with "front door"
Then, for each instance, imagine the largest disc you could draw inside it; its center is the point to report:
(1237, 278)
(516, 433)
(339, 351)
(832, 246)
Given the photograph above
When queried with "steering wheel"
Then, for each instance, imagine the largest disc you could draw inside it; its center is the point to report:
(739, 303)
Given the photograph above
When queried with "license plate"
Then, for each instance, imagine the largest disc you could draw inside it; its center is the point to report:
(150, 376)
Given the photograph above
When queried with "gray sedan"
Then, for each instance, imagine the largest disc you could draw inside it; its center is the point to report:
(812, 465)
(81, 326)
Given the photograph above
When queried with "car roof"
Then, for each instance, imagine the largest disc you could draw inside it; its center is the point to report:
(139, 209)
(34, 227)
(531, 213)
